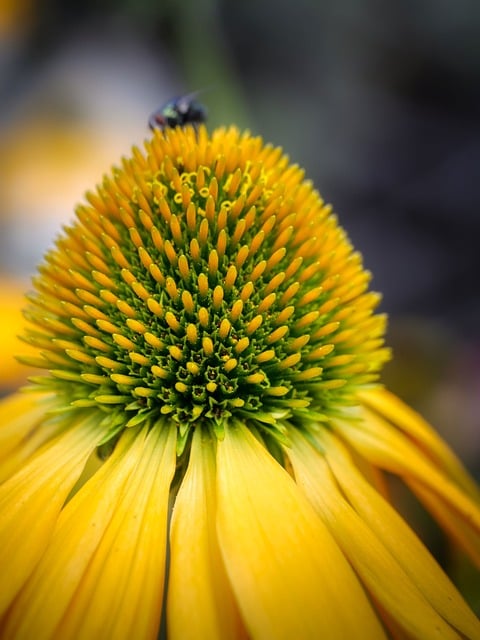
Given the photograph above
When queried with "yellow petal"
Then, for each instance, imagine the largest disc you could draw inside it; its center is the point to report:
(23, 429)
(103, 572)
(461, 530)
(197, 580)
(409, 421)
(288, 574)
(419, 596)
(31, 500)
(12, 301)
(388, 448)
(13, 428)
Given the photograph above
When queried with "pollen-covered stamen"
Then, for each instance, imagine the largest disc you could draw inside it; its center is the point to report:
(205, 278)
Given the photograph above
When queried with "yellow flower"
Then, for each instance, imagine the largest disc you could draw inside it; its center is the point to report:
(206, 452)
(12, 300)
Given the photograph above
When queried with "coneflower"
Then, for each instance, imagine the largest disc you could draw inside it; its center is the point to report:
(205, 451)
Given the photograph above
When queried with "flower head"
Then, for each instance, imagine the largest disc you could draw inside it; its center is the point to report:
(207, 282)
(209, 341)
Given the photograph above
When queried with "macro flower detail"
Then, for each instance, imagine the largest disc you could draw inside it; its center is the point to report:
(202, 284)
(209, 434)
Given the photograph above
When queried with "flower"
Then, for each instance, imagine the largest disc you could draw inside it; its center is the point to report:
(12, 300)
(211, 403)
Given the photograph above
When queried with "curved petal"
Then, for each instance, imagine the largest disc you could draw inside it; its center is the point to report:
(375, 476)
(12, 301)
(31, 500)
(388, 448)
(288, 574)
(197, 579)
(409, 421)
(103, 572)
(24, 428)
(407, 595)
(464, 534)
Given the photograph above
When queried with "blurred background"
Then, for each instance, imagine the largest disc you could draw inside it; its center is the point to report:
(379, 101)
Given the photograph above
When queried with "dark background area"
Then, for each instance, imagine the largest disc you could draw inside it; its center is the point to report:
(379, 101)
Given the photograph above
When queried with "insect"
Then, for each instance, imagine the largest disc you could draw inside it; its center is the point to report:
(178, 112)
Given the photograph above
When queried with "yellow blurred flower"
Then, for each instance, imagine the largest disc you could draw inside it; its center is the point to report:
(12, 301)
(15, 16)
(211, 354)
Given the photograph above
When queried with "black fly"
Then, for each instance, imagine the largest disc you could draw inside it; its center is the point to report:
(178, 112)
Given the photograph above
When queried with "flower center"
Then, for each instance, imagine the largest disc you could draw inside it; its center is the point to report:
(204, 280)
